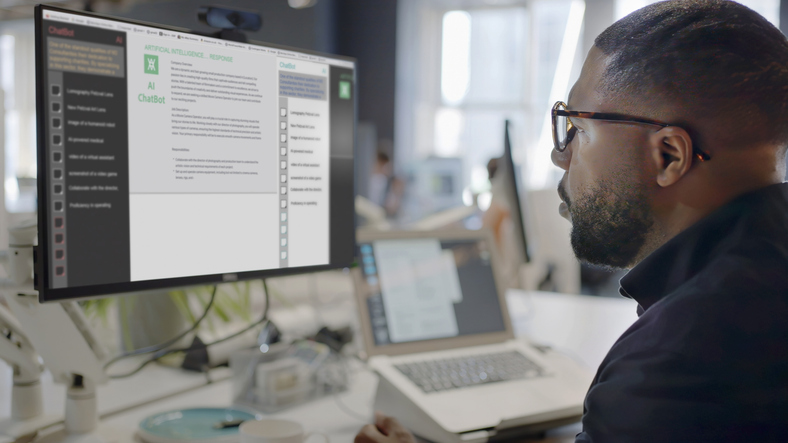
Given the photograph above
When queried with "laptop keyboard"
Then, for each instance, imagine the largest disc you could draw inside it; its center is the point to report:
(454, 373)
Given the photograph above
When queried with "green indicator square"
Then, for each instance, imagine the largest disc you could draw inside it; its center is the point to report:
(151, 64)
(344, 90)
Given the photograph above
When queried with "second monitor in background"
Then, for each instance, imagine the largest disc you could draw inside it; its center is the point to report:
(513, 185)
(533, 239)
(507, 214)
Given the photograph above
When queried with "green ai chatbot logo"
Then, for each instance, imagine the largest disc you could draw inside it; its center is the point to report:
(344, 90)
(151, 64)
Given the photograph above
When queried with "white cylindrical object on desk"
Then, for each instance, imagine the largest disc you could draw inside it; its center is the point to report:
(81, 411)
(26, 401)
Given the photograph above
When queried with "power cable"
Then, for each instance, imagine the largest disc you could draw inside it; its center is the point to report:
(170, 342)
(164, 352)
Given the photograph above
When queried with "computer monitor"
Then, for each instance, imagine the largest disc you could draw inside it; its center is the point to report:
(512, 183)
(168, 158)
(438, 184)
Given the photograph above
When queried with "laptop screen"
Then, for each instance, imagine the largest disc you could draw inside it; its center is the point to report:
(423, 289)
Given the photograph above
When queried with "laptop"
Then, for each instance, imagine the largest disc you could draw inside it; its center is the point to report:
(437, 332)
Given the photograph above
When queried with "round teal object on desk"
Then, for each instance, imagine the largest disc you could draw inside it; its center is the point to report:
(190, 425)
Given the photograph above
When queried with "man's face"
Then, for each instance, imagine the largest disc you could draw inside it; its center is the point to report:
(604, 189)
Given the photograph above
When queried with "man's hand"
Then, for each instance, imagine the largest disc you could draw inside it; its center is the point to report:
(385, 430)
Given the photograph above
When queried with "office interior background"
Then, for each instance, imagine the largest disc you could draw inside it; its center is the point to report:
(436, 80)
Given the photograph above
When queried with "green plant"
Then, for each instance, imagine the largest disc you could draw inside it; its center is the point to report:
(232, 301)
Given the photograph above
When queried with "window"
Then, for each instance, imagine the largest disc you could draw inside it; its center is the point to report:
(483, 67)
(17, 83)
(462, 72)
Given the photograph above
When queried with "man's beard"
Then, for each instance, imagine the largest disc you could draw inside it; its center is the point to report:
(610, 224)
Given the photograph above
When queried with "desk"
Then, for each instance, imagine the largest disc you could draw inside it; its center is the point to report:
(583, 327)
(117, 395)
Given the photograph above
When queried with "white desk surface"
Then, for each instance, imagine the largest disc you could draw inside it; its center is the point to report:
(154, 382)
(581, 326)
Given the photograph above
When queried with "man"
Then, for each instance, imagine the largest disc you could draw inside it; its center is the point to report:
(683, 184)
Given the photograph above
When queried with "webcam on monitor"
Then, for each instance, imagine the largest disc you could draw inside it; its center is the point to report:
(231, 22)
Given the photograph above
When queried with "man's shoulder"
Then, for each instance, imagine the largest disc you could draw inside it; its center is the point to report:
(751, 269)
(732, 299)
(736, 304)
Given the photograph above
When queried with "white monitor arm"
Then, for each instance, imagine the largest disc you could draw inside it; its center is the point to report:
(16, 349)
(60, 334)
(26, 397)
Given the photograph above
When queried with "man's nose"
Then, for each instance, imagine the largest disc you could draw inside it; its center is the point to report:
(561, 159)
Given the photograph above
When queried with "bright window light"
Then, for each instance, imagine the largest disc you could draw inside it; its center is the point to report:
(540, 176)
(455, 56)
(484, 200)
(449, 123)
(11, 158)
(769, 9)
(480, 179)
(11, 122)
(7, 68)
(467, 196)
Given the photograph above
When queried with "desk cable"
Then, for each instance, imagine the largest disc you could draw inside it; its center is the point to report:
(170, 342)
(164, 352)
(345, 359)
(344, 408)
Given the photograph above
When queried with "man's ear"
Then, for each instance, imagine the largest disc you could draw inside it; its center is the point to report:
(671, 152)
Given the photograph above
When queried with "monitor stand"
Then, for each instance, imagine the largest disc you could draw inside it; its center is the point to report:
(26, 397)
(61, 335)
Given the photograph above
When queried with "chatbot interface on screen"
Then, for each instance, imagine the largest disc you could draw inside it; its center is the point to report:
(173, 155)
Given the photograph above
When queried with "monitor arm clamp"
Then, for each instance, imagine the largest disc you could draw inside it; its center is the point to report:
(60, 333)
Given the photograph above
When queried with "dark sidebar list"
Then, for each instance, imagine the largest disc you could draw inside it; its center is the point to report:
(87, 150)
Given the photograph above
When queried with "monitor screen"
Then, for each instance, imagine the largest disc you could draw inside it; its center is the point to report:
(426, 288)
(169, 158)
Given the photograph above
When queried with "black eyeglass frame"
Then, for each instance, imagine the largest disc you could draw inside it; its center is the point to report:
(607, 116)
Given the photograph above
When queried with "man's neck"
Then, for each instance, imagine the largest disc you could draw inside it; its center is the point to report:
(700, 197)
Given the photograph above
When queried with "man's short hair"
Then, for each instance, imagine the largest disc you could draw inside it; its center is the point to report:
(715, 59)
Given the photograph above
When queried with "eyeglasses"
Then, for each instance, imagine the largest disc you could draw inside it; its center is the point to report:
(564, 131)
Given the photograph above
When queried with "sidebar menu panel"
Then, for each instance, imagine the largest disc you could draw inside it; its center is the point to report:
(87, 150)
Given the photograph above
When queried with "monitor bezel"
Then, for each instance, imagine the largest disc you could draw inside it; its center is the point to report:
(341, 191)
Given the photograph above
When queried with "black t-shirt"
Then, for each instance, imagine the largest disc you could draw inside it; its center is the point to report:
(707, 359)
